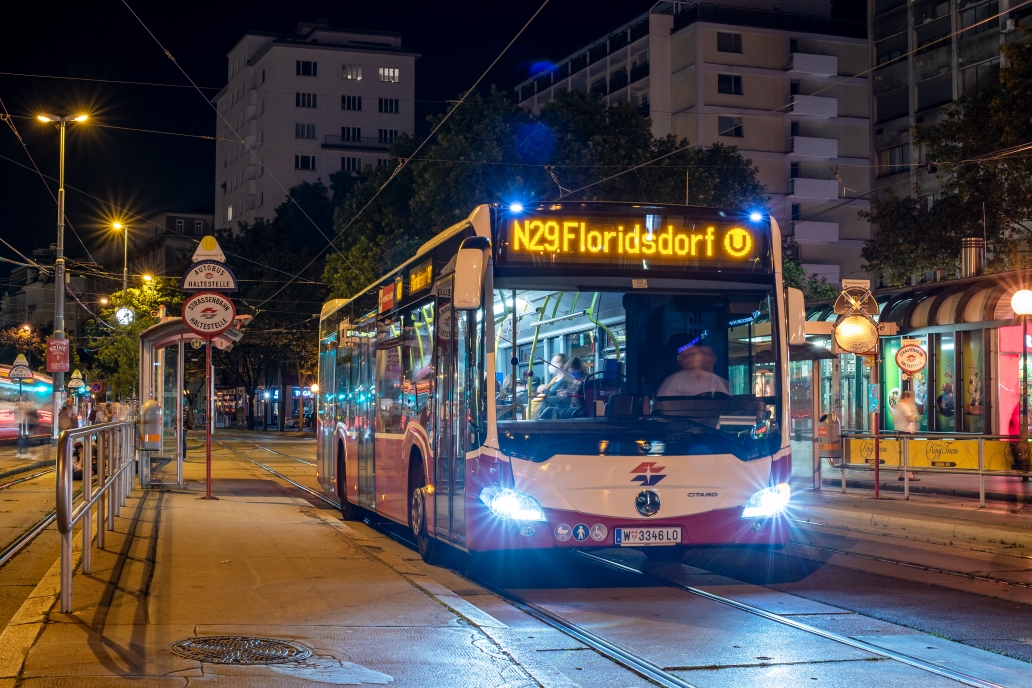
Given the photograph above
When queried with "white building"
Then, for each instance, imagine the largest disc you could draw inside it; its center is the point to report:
(778, 80)
(307, 104)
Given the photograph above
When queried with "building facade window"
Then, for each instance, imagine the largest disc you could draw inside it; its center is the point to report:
(304, 162)
(351, 103)
(729, 126)
(382, 162)
(795, 212)
(976, 78)
(198, 227)
(304, 100)
(261, 199)
(894, 160)
(180, 226)
(980, 14)
(389, 105)
(229, 214)
(793, 170)
(352, 72)
(261, 108)
(794, 128)
(351, 133)
(388, 135)
(304, 131)
(261, 138)
(729, 42)
(261, 80)
(351, 164)
(390, 74)
(730, 84)
(307, 68)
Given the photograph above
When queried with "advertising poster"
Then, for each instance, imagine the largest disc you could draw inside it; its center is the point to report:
(974, 391)
(945, 385)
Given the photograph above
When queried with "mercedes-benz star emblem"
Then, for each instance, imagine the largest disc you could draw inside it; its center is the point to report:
(647, 503)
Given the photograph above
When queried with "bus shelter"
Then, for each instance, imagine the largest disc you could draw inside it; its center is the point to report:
(162, 364)
(968, 395)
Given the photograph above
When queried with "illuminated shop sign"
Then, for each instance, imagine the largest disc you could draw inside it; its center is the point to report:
(629, 239)
(421, 276)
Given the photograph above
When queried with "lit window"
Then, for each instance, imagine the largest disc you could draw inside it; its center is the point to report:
(352, 72)
(390, 74)
(229, 214)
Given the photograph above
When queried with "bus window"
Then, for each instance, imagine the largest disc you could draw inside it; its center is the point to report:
(418, 362)
(390, 410)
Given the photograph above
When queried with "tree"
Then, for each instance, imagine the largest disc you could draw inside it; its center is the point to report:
(265, 255)
(117, 356)
(980, 152)
(493, 151)
(17, 339)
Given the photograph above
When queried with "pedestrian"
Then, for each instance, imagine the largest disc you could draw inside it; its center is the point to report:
(68, 419)
(904, 418)
(109, 412)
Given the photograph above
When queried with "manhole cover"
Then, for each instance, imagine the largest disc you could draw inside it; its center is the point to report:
(240, 649)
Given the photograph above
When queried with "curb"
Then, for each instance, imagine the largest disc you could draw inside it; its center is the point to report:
(897, 486)
(27, 623)
(27, 467)
(944, 530)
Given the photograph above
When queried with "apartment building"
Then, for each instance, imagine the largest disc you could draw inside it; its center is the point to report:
(28, 298)
(783, 82)
(924, 60)
(306, 105)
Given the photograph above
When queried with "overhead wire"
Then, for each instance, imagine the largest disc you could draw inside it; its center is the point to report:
(440, 124)
(233, 129)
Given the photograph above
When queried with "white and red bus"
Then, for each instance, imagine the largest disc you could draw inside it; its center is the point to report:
(568, 375)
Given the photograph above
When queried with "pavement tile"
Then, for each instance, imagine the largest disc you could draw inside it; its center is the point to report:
(981, 664)
(883, 674)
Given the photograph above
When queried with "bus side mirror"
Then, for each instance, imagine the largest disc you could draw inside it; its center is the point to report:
(796, 321)
(470, 266)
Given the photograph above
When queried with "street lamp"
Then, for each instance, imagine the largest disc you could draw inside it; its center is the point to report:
(147, 278)
(125, 254)
(1021, 304)
(59, 259)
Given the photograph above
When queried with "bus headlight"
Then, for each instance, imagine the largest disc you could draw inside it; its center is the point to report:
(511, 504)
(769, 501)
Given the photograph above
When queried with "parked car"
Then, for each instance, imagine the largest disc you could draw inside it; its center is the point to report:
(295, 422)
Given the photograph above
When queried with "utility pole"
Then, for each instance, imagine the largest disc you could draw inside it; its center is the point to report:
(59, 284)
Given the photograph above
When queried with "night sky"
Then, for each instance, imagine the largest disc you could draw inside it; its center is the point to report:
(149, 173)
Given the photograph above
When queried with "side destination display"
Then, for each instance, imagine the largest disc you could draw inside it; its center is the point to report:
(208, 313)
(208, 275)
(638, 241)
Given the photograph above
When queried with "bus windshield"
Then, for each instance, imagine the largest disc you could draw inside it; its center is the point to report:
(649, 372)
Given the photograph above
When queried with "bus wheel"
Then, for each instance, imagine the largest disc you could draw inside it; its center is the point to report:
(348, 511)
(430, 549)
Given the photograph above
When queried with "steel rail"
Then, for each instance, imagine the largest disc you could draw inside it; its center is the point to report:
(31, 477)
(640, 665)
(624, 658)
(25, 538)
(771, 616)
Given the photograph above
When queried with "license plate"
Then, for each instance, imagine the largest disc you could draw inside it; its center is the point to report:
(640, 537)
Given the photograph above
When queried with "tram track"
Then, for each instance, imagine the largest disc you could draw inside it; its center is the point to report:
(26, 478)
(11, 550)
(634, 662)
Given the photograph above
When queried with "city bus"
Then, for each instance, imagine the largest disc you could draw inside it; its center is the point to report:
(568, 375)
(36, 394)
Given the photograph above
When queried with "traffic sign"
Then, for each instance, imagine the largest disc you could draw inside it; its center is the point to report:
(96, 387)
(76, 381)
(57, 355)
(20, 370)
(209, 249)
(208, 275)
(196, 343)
(911, 358)
(208, 313)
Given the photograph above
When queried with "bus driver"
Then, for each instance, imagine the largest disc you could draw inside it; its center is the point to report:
(696, 375)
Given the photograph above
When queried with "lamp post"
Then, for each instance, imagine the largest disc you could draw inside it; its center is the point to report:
(125, 255)
(1021, 304)
(59, 261)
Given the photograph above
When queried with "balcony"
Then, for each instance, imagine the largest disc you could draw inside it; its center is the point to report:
(248, 202)
(813, 189)
(618, 80)
(251, 113)
(817, 65)
(639, 72)
(809, 232)
(811, 147)
(815, 106)
(332, 142)
(250, 172)
(250, 140)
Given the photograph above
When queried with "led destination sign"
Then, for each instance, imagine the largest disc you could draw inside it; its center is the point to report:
(669, 240)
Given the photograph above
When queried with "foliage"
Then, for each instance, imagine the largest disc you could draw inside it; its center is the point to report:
(264, 255)
(117, 347)
(493, 151)
(977, 183)
(16, 340)
(814, 287)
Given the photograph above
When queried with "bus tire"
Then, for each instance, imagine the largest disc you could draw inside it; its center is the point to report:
(348, 511)
(430, 550)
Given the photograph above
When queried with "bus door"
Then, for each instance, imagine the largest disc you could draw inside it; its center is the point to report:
(363, 387)
(449, 456)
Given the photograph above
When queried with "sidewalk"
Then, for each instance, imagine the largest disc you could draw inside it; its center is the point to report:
(259, 561)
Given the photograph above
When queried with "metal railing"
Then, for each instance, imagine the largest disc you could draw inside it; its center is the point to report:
(952, 453)
(116, 456)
